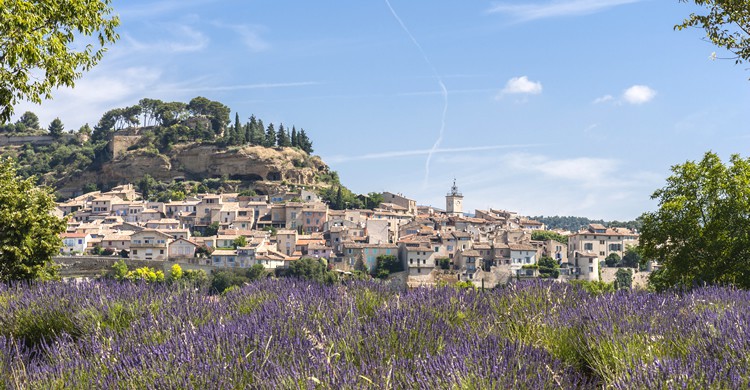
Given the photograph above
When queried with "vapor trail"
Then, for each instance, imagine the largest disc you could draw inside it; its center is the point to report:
(444, 91)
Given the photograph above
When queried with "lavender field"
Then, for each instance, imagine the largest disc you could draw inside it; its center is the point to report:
(290, 334)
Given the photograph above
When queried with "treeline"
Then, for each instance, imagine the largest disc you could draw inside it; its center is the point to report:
(576, 223)
(28, 124)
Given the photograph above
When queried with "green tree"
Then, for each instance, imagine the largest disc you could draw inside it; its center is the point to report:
(38, 48)
(727, 25)
(30, 120)
(632, 257)
(29, 232)
(699, 233)
(240, 241)
(544, 235)
(282, 138)
(119, 270)
(304, 143)
(56, 128)
(386, 265)
(147, 186)
(270, 140)
(339, 200)
(360, 265)
(212, 229)
(311, 269)
(293, 138)
(548, 268)
(373, 200)
(256, 271)
(612, 260)
(624, 279)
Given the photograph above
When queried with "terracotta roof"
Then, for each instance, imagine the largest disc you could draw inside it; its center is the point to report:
(521, 247)
(471, 253)
(73, 235)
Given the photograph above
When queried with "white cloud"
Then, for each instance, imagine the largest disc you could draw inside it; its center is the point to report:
(248, 34)
(558, 8)
(98, 91)
(639, 94)
(603, 99)
(186, 39)
(521, 85)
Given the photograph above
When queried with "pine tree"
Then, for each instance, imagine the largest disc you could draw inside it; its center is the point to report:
(270, 136)
(249, 127)
(56, 128)
(304, 142)
(259, 133)
(283, 137)
(294, 140)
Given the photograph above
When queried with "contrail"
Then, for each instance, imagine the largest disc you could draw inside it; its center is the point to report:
(444, 90)
(419, 152)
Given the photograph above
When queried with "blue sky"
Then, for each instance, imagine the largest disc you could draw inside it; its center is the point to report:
(553, 107)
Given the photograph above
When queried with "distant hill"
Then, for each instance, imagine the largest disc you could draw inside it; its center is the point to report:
(576, 223)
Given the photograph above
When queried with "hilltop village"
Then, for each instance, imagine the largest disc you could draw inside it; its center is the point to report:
(231, 231)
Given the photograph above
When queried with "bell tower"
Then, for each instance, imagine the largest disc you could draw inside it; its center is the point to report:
(454, 201)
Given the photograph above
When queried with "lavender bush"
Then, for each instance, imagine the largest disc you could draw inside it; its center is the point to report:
(294, 334)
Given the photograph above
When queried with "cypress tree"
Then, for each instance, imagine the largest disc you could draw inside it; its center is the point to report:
(294, 140)
(270, 136)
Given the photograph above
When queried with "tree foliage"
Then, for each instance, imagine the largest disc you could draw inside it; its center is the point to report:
(311, 269)
(38, 48)
(56, 128)
(632, 257)
(727, 25)
(544, 235)
(700, 233)
(624, 278)
(548, 268)
(29, 232)
(386, 265)
(612, 260)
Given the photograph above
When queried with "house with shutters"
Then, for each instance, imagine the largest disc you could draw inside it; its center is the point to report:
(149, 244)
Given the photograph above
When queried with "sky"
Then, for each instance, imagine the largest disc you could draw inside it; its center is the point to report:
(543, 107)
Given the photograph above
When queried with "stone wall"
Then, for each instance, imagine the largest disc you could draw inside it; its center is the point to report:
(6, 140)
(92, 266)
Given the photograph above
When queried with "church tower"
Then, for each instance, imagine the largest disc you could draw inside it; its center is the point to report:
(454, 201)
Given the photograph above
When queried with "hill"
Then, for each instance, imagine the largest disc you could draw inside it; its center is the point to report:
(169, 142)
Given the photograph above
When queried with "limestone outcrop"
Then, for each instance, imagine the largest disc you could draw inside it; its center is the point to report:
(250, 164)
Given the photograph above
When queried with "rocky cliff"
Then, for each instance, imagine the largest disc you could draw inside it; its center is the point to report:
(261, 167)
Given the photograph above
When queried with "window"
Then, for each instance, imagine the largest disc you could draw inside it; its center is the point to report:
(80, 242)
(601, 242)
(161, 251)
(591, 269)
(601, 253)
(588, 246)
(615, 247)
(424, 261)
(591, 261)
(419, 270)
(135, 251)
(437, 248)
(411, 261)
